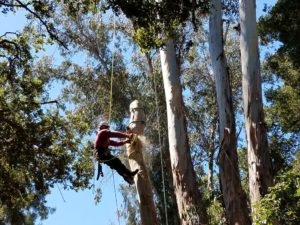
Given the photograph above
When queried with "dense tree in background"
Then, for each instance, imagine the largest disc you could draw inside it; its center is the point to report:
(282, 76)
(89, 81)
(39, 146)
(281, 24)
(282, 110)
(40, 11)
(282, 203)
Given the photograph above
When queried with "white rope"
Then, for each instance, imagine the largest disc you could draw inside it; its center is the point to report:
(160, 148)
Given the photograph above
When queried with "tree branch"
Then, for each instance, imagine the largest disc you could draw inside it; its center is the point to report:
(48, 102)
(6, 33)
(2, 3)
(16, 46)
(52, 35)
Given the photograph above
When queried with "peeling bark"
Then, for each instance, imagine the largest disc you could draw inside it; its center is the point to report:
(236, 208)
(211, 153)
(188, 196)
(259, 160)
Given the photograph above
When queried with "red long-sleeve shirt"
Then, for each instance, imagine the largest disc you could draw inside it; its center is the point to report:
(102, 139)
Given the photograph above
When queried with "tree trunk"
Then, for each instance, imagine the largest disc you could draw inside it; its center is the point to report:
(172, 215)
(237, 212)
(189, 199)
(211, 153)
(259, 161)
(136, 161)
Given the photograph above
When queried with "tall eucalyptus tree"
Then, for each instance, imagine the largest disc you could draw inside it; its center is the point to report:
(150, 19)
(259, 161)
(234, 198)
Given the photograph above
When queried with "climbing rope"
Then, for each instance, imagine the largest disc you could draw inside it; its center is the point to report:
(61, 195)
(160, 149)
(110, 96)
(116, 199)
(112, 70)
(110, 104)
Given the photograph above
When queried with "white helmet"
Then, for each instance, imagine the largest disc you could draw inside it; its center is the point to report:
(103, 123)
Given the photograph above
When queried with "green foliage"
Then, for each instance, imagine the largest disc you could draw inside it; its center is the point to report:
(88, 86)
(285, 99)
(147, 38)
(38, 148)
(156, 20)
(283, 24)
(282, 76)
(282, 203)
(98, 196)
(131, 205)
(14, 48)
(40, 144)
(282, 113)
(40, 11)
(243, 168)
(216, 213)
(74, 7)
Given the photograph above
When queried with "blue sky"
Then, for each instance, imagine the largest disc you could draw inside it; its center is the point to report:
(78, 208)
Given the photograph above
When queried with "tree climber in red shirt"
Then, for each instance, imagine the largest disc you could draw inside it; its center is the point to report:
(103, 155)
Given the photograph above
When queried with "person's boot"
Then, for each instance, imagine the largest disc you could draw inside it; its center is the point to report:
(128, 179)
(133, 173)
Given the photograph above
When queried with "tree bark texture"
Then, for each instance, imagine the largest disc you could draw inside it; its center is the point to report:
(236, 208)
(136, 161)
(211, 152)
(259, 161)
(188, 196)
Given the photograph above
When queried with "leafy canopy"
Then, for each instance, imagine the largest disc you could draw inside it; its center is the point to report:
(282, 203)
(155, 20)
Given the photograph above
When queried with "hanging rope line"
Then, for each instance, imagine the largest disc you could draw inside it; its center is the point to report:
(116, 199)
(160, 149)
(99, 19)
(61, 195)
(112, 69)
(110, 105)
